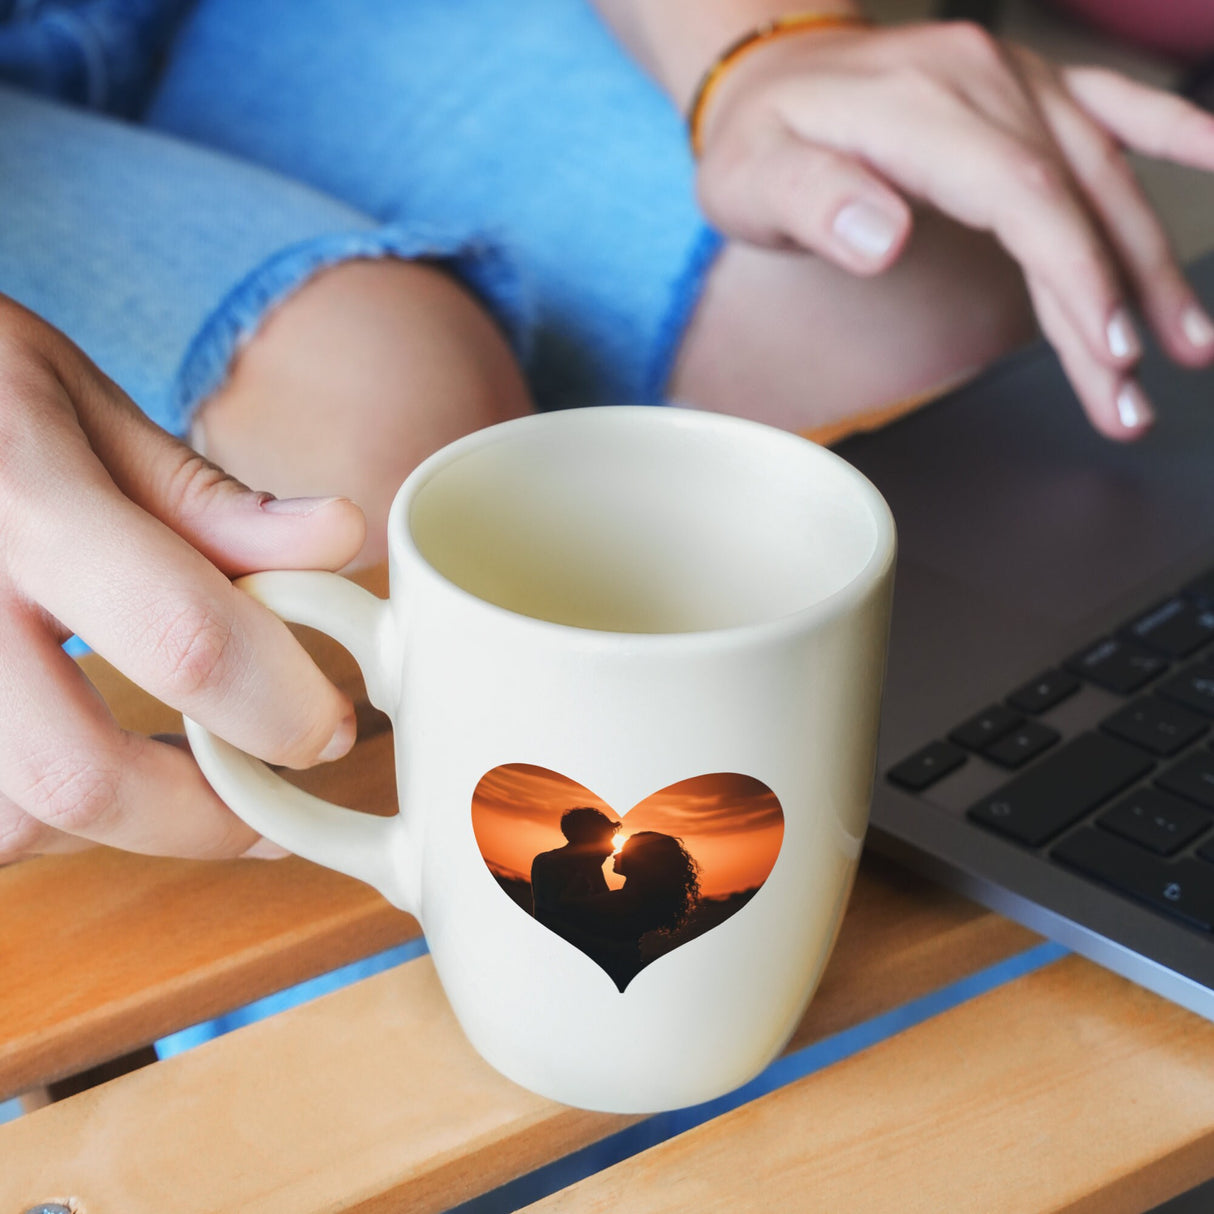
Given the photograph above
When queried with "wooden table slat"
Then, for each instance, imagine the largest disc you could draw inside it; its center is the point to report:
(371, 1096)
(1069, 1089)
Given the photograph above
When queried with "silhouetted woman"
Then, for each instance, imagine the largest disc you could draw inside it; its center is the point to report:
(661, 887)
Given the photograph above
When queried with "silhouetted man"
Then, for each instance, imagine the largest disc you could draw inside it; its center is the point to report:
(572, 871)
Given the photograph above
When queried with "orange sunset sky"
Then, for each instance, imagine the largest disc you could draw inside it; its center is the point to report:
(731, 824)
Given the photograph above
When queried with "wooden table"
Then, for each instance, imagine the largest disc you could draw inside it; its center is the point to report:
(1057, 1086)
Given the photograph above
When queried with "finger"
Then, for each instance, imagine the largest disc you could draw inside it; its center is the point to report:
(1150, 121)
(67, 765)
(263, 849)
(237, 529)
(1113, 401)
(978, 173)
(157, 609)
(56, 843)
(161, 613)
(1132, 227)
(810, 198)
(22, 836)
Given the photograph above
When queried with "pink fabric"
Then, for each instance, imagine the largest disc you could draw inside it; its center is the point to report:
(1183, 28)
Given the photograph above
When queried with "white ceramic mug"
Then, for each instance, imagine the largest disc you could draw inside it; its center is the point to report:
(600, 609)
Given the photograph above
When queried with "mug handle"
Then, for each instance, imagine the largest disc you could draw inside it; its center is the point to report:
(360, 845)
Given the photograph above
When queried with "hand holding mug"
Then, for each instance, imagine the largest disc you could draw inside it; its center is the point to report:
(114, 530)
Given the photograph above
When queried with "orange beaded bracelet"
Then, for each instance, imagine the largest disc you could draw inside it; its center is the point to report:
(777, 27)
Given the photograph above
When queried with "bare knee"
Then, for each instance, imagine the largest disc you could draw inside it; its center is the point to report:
(792, 340)
(366, 370)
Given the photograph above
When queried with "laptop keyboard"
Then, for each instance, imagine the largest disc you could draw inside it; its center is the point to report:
(1129, 804)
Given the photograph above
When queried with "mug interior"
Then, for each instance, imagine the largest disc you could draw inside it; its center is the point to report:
(642, 520)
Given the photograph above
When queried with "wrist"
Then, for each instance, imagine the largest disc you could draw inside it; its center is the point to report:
(676, 40)
(730, 63)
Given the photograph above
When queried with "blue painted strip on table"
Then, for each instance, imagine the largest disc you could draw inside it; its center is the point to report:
(293, 996)
(785, 1070)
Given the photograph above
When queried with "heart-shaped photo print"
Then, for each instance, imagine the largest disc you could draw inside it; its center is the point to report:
(626, 889)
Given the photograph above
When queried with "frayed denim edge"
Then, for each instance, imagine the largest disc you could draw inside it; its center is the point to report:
(688, 288)
(478, 264)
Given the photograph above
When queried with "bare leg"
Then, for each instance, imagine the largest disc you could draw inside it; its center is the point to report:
(789, 339)
(354, 380)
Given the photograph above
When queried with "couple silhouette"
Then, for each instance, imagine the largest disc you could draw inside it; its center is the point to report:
(570, 894)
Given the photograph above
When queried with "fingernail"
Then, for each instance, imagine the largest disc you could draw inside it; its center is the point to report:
(1120, 334)
(296, 507)
(867, 229)
(1133, 408)
(263, 849)
(341, 741)
(1198, 330)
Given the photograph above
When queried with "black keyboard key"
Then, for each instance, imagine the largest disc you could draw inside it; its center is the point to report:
(985, 727)
(1192, 687)
(1157, 726)
(1117, 665)
(926, 766)
(1192, 778)
(1061, 789)
(1044, 691)
(1155, 820)
(1022, 744)
(1176, 629)
(1181, 887)
(1202, 589)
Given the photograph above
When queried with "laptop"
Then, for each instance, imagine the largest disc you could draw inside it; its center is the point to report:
(1047, 742)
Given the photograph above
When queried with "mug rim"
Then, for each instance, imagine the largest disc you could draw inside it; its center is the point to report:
(403, 551)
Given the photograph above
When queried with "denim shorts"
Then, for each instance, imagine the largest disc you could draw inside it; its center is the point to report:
(514, 143)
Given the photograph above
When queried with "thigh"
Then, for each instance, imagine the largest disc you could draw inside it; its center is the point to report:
(160, 259)
(523, 120)
(793, 340)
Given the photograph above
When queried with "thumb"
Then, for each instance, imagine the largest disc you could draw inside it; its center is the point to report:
(240, 531)
(236, 528)
(786, 191)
